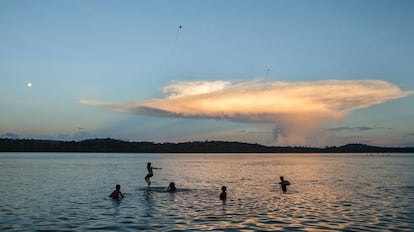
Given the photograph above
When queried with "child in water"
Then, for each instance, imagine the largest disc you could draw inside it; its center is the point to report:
(117, 194)
(150, 173)
(283, 184)
(223, 194)
(171, 188)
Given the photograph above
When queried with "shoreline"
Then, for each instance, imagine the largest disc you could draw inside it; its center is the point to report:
(108, 145)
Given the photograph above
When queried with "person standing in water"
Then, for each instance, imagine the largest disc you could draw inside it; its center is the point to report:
(150, 173)
(283, 184)
(223, 194)
(117, 194)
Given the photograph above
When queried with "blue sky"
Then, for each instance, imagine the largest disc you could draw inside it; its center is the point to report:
(115, 69)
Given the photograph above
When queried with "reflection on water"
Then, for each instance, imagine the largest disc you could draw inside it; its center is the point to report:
(327, 192)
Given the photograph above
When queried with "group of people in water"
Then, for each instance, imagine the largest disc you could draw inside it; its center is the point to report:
(117, 194)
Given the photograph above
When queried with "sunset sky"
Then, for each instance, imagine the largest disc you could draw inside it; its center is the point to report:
(311, 73)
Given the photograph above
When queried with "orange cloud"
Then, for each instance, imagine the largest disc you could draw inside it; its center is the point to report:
(298, 109)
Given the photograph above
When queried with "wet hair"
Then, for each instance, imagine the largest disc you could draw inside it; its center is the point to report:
(148, 164)
(118, 187)
(223, 188)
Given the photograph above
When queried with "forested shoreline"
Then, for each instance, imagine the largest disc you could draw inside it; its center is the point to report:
(108, 145)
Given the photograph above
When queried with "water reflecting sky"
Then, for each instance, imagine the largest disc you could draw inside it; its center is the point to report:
(328, 192)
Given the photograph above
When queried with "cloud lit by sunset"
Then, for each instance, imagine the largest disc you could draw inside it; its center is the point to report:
(298, 109)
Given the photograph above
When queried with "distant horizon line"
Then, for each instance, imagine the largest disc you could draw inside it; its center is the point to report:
(205, 141)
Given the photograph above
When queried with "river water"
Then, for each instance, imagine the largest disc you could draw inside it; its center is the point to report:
(328, 192)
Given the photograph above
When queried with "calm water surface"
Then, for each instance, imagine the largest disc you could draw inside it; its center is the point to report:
(69, 192)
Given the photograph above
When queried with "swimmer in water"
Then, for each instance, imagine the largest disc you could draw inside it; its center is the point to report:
(171, 188)
(117, 194)
(223, 194)
(283, 184)
(150, 173)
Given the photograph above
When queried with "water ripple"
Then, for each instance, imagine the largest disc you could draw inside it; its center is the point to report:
(328, 193)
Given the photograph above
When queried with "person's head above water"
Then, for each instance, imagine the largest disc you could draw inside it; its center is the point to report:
(148, 164)
(171, 187)
(223, 188)
(281, 178)
(117, 194)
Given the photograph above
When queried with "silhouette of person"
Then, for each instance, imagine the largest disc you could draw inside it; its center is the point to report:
(150, 173)
(117, 194)
(223, 194)
(283, 184)
(171, 188)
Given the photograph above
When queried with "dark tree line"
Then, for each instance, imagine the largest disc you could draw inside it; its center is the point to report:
(119, 146)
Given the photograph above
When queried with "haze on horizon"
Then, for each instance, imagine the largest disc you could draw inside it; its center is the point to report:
(271, 72)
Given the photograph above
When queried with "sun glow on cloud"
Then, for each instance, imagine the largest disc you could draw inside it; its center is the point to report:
(298, 109)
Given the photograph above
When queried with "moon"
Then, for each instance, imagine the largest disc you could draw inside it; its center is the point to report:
(29, 84)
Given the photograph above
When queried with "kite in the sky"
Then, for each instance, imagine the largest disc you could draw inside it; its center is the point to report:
(178, 31)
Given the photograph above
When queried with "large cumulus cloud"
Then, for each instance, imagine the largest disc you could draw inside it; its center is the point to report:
(298, 109)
